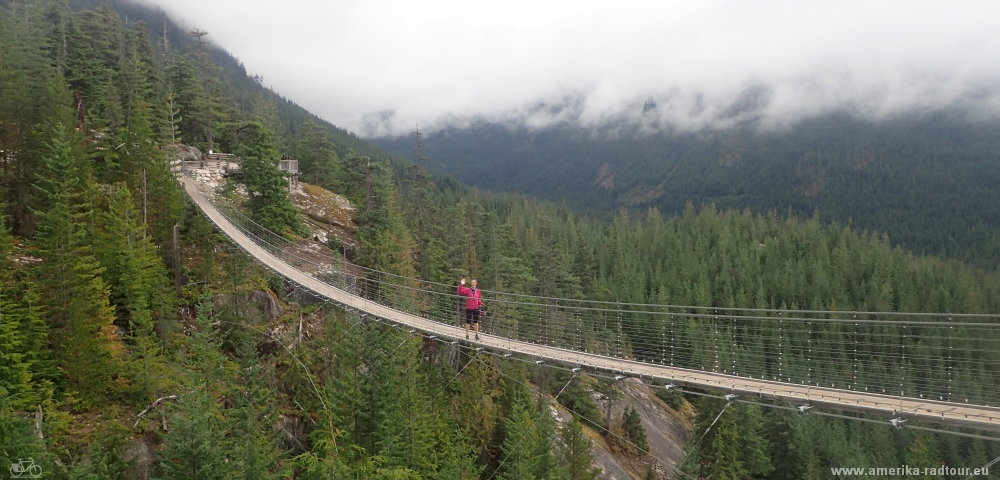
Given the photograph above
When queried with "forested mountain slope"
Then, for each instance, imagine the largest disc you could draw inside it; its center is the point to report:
(244, 92)
(107, 372)
(928, 180)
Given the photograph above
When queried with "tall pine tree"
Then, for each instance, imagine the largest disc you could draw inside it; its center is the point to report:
(74, 296)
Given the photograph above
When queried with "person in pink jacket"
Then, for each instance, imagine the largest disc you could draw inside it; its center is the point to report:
(472, 305)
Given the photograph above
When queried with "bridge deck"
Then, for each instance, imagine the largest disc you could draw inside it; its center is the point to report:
(953, 413)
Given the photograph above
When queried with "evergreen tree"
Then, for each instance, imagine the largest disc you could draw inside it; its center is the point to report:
(755, 453)
(634, 431)
(15, 369)
(32, 94)
(542, 446)
(16, 379)
(317, 155)
(257, 445)
(519, 433)
(74, 297)
(138, 286)
(266, 185)
(575, 453)
(210, 95)
(194, 447)
(384, 242)
(186, 98)
(17, 441)
(921, 455)
(477, 403)
(719, 454)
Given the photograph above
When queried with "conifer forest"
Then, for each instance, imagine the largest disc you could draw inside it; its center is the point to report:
(137, 342)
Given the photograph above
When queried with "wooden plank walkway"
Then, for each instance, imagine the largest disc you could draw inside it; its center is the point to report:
(951, 413)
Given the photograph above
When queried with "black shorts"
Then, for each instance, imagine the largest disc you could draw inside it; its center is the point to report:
(471, 315)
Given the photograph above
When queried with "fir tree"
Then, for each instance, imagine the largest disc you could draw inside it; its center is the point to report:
(266, 185)
(74, 297)
(575, 453)
(17, 440)
(15, 363)
(719, 455)
(194, 447)
(634, 431)
(26, 370)
(257, 445)
(518, 462)
(542, 446)
(137, 280)
(317, 155)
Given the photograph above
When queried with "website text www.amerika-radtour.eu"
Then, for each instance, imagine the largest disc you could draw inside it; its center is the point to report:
(909, 471)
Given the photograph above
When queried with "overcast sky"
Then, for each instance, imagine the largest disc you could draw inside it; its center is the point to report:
(381, 67)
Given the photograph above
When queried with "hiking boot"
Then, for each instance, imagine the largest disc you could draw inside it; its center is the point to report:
(477, 336)
(466, 336)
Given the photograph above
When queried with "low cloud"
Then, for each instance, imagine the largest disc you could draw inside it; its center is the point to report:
(383, 67)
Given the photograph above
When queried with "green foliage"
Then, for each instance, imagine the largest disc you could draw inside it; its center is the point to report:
(926, 180)
(634, 432)
(257, 451)
(95, 204)
(672, 397)
(318, 160)
(192, 446)
(732, 447)
(22, 335)
(577, 398)
(266, 185)
(520, 460)
(384, 242)
(17, 440)
(74, 297)
(575, 453)
(138, 285)
(102, 461)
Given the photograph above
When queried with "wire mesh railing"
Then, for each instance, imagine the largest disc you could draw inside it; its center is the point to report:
(951, 357)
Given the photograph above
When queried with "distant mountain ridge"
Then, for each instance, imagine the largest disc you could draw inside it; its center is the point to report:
(931, 182)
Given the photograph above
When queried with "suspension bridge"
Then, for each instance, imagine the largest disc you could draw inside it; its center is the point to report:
(937, 368)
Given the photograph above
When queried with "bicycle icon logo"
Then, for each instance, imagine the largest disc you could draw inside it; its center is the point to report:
(25, 469)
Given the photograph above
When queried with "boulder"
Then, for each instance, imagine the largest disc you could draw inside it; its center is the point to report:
(182, 153)
(140, 453)
(323, 206)
(255, 302)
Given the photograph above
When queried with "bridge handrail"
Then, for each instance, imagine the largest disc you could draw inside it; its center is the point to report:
(668, 309)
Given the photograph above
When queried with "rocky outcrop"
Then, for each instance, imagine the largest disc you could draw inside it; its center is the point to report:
(177, 153)
(666, 429)
(140, 453)
(256, 302)
(327, 214)
(323, 205)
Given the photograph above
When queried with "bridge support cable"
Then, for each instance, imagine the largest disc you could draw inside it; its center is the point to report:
(934, 372)
(732, 398)
(309, 375)
(902, 365)
(717, 417)
(854, 358)
(729, 399)
(950, 364)
(575, 413)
